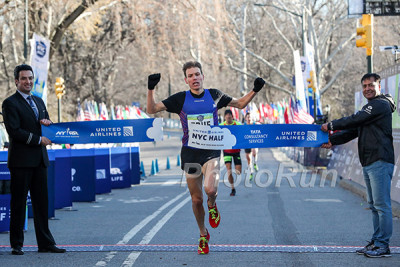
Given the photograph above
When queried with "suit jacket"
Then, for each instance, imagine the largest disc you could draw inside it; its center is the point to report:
(24, 132)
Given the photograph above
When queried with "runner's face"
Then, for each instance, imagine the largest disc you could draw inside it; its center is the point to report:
(25, 81)
(194, 78)
(247, 119)
(229, 118)
(371, 88)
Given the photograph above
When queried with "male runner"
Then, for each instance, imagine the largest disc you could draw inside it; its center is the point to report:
(199, 106)
(232, 154)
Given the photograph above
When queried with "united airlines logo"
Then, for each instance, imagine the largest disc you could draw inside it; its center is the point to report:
(67, 133)
(101, 174)
(200, 118)
(311, 135)
(128, 130)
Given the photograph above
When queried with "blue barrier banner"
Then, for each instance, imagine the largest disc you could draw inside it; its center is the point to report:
(50, 189)
(120, 167)
(110, 131)
(5, 212)
(4, 198)
(4, 171)
(83, 175)
(102, 166)
(51, 183)
(135, 165)
(63, 181)
(256, 136)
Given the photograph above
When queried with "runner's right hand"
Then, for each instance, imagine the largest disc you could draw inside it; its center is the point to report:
(153, 80)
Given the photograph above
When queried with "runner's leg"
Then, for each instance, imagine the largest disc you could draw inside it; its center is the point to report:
(229, 172)
(211, 180)
(195, 185)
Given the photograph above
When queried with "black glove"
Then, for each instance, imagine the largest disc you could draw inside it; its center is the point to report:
(153, 80)
(258, 84)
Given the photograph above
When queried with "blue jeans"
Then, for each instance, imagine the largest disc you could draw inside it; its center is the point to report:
(378, 178)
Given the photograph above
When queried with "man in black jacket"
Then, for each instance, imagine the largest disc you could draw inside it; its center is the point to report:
(373, 127)
(23, 116)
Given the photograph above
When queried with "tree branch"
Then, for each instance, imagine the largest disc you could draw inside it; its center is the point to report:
(338, 72)
(255, 76)
(65, 23)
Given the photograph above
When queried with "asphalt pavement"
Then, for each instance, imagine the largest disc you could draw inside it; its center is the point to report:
(285, 217)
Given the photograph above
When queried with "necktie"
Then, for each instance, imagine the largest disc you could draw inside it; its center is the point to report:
(33, 106)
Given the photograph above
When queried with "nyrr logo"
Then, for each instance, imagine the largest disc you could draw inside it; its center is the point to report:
(311, 135)
(41, 49)
(128, 130)
(67, 133)
(115, 171)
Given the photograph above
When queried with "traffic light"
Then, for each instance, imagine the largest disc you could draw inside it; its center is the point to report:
(60, 87)
(311, 81)
(366, 32)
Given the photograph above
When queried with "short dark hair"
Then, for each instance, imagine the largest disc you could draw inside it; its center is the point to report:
(228, 111)
(371, 75)
(191, 64)
(20, 68)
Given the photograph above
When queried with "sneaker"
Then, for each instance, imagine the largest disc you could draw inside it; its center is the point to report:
(203, 244)
(369, 246)
(255, 167)
(251, 177)
(214, 216)
(378, 252)
(233, 192)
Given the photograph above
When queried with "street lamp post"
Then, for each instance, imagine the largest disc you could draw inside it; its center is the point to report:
(26, 30)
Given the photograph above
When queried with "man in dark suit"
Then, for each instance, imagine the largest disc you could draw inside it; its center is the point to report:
(23, 116)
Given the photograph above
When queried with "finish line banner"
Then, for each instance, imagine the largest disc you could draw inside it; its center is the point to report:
(111, 131)
(256, 136)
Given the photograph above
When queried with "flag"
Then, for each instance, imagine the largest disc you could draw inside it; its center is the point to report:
(269, 112)
(119, 114)
(80, 114)
(254, 112)
(288, 115)
(235, 113)
(274, 112)
(262, 112)
(299, 115)
(113, 117)
(87, 112)
(310, 66)
(103, 111)
(96, 110)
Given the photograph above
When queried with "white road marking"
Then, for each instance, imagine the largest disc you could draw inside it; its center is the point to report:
(171, 182)
(130, 260)
(128, 236)
(322, 200)
(135, 200)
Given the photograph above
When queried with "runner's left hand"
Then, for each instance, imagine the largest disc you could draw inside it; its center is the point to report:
(258, 84)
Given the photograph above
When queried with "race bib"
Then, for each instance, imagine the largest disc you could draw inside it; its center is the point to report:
(206, 119)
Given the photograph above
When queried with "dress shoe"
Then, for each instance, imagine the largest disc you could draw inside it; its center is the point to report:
(17, 251)
(51, 249)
